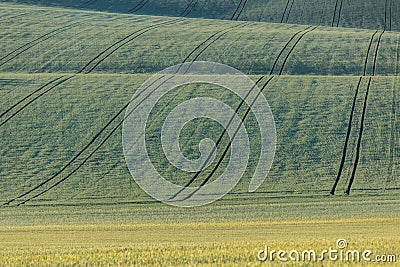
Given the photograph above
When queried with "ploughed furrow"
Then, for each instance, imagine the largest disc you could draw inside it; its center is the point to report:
(18, 51)
(138, 7)
(189, 8)
(225, 151)
(198, 50)
(92, 64)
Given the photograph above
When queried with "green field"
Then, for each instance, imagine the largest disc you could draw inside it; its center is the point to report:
(68, 70)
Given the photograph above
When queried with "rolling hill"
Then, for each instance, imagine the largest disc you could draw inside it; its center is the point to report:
(66, 76)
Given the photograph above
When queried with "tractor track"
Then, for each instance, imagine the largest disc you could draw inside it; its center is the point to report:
(225, 151)
(239, 9)
(138, 7)
(92, 64)
(350, 123)
(284, 11)
(16, 52)
(95, 138)
(189, 8)
(289, 11)
(107, 52)
(338, 9)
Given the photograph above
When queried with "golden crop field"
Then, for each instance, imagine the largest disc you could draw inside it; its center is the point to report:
(190, 244)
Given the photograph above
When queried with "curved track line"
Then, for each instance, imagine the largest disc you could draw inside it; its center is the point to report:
(139, 6)
(349, 127)
(97, 135)
(26, 97)
(35, 98)
(241, 10)
(35, 42)
(284, 12)
(360, 135)
(236, 10)
(117, 45)
(290, 10)
(284, 48)
(189, 8)
(236, 111)
(346, 143)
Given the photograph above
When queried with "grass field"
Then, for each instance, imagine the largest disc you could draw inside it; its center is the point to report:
(370, 14)
(69, 69)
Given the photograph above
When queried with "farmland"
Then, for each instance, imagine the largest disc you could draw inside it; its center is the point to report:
(68, 71)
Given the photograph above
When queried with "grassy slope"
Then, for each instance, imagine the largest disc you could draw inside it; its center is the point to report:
(311, 113)
(251, 48)
(357, 14)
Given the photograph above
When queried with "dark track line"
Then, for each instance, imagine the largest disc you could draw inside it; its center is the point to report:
(340, 13)
(218, 143)
(114, 47)
(96, 136)
(16, 16)
(26, 97)
(189, 8)
(290, 10)
(293, 47)
(35, 42)
(236, 111)
(346, 143)
(349, 127)
(334, 13)
(37, 97)
(284, 48)
(284, 12)
(241, 10)
(139, 6)
(71, 161)
(368, 51)
(390, 15)
(360, 135)
(236, 10)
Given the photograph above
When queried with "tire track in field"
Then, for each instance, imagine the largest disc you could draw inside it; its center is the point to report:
(338, 10)
(17, 16)
(393, 137)
(139, 6)
(350, 123)
(302, 33)
(239, 9)
(18, 51)
(289, 11)
(360, 135)
(96, 61)
(205, 43)
(361, 130)
(225, 151)
(103, 55)
(189, 8)
(284, 11)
